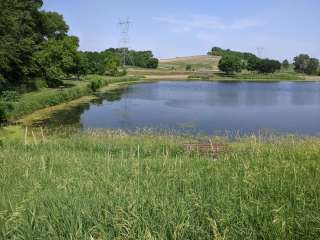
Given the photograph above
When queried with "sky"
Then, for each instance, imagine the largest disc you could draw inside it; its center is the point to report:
(279, 29)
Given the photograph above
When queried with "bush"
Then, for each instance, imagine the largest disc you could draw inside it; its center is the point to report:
(189, 67)
(94, 85)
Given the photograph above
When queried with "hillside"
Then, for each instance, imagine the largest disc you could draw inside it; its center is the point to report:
(198, 63)
(175, 68)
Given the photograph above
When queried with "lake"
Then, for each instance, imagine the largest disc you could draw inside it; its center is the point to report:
(206, 108)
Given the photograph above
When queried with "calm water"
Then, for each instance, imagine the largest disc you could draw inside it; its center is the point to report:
(207, 107)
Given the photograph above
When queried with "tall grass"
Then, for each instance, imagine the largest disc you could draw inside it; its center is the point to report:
(115, 186)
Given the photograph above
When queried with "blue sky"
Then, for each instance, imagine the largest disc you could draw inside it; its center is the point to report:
(170, 28)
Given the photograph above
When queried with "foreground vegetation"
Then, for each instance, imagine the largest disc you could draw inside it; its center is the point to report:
(116, 186)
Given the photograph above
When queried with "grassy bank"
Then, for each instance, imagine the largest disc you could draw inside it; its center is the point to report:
(30, 102)
(116, 186)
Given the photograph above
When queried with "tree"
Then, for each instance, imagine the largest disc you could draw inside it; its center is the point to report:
(230, 64)
(58, 58)
(81, 65)
(304, 64)
(144, 59)
(252, 64)
(312, 66)
(285, 64)
(152, 63)
(112, 64)
(301, 62)
(268, 66)
(52, 25)
(188, 67)
(19, 39)
(34, 45)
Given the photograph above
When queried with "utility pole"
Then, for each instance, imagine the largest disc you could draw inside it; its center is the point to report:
(124, 39)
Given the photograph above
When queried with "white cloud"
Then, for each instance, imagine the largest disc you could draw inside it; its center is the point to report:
(207, 22)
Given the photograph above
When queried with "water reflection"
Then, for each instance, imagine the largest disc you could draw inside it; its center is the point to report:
(205, 107)
(73, 115)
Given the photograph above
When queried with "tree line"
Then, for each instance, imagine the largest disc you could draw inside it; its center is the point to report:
(234, 62)
(109, 61)
(36, 50)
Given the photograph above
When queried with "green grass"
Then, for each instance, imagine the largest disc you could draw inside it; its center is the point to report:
(116, 186)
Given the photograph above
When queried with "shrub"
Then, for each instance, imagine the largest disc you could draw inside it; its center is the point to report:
(189, 67)
(94, 85)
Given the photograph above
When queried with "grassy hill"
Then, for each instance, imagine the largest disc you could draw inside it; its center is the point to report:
(198, 63)
(175, 68)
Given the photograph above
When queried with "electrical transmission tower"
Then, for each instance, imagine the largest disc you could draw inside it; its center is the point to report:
(124, 39)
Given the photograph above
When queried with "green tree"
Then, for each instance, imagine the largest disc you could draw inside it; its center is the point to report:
(268, 66)
(52, 25)
(230, 64)
(19, 39)
(112, 64)
(304, 64)
(28, 38)
(252, 64)
(285, 64)
(312, 66)
(81, 66)
(58, 58)
(152, 63)
(301, 63)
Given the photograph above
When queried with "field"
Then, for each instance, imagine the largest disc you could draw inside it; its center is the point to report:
(198, 63)
(110, 185)
(175, 68)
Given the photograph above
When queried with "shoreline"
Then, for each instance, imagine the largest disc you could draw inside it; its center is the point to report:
(47, 112)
